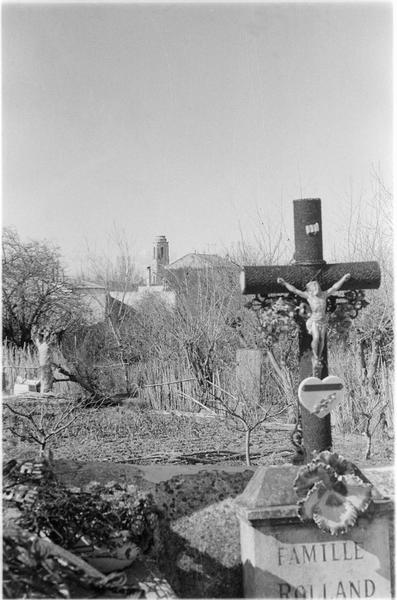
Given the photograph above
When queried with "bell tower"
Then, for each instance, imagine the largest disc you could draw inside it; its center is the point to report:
(161, 258)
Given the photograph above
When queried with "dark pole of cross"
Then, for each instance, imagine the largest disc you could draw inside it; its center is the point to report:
(309, 264)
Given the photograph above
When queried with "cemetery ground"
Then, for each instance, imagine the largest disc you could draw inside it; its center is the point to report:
(193, 463)
(136, 434)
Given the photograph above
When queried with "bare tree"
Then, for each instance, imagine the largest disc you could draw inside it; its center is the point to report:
(40, 426)
(206, 302)
(35, 290)
(246, 413)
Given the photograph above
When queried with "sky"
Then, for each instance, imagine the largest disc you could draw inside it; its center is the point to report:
(200, 122)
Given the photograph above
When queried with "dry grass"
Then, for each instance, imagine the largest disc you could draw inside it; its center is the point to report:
(361, 397)
(126, 431)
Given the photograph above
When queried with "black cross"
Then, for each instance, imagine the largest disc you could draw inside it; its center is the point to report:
(308, 265)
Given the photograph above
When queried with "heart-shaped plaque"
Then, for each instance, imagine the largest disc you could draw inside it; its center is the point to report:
(320, 396)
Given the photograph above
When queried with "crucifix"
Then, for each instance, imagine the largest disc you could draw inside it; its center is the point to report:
(311, 278)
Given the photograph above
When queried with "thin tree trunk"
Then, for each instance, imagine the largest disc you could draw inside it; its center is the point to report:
(247, 446)
(126, 375)
(363, 362)
(75, 378)
(373, 362)
(45, 361)
(368, 436)
(369, 447)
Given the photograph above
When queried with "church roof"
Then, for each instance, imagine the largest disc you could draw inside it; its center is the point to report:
(199, 261)
(88, 285)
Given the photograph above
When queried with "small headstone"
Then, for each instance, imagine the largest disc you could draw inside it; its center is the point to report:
(26, 385)
(20, 388)
(248, 373)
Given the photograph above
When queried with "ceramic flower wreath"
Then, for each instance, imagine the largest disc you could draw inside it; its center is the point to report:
(331, 493)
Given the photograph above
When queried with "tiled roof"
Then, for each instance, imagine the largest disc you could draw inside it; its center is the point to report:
(199, 261)
(82, 285)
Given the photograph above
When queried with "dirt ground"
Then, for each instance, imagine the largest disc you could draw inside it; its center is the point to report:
(188, 439)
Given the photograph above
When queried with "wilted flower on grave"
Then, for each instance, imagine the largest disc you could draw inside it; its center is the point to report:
(331, 493)
(341, 465)
(311, 474)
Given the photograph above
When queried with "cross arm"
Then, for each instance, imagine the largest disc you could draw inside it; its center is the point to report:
(337, 286)
(263, 280)
(292, 288)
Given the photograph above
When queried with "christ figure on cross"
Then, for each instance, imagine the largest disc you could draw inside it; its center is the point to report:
(317, 300)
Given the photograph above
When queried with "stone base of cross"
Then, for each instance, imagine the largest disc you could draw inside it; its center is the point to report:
(312, 279)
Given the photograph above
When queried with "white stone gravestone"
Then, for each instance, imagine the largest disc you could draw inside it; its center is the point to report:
(248, 377)
(285, 558)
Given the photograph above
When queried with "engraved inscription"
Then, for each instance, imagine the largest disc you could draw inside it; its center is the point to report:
(324, 570)
(315, 553)
(322, 591)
